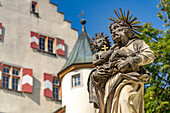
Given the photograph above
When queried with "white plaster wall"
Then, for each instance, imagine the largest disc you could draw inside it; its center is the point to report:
(76, 99)
(15, 49)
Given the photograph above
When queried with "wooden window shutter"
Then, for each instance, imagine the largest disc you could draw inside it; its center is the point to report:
(27, 80)
(60, 47)
(34, 41)
(48, 86)
(0, 73)
(0, 31)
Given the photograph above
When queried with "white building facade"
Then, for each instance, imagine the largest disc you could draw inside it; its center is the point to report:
(74, 76)
(74, 91)
(35, 41)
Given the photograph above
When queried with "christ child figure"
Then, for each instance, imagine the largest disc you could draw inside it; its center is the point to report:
(101, 45)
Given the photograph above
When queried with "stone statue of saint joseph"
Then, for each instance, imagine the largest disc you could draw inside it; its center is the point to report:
(116, 84)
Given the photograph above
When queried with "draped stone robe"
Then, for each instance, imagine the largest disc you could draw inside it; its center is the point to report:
(123, 92)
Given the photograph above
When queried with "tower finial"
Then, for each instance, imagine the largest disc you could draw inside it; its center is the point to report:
(83, 22)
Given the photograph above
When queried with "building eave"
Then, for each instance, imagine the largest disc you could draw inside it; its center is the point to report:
(61, 110)
(74, 67)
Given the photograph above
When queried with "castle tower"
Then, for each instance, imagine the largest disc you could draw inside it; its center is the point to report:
(74, 76)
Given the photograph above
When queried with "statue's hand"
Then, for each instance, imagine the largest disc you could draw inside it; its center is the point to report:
(117, 55)
(123, 65)
(113, 56)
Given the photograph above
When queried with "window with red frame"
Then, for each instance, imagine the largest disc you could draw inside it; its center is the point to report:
(10, 77)
(46, 44)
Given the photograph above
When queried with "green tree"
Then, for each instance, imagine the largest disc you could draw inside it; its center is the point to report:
(157, 91)
(164, 13)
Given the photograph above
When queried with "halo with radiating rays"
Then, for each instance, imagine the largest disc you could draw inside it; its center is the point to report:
(98, 36)
(128, 19)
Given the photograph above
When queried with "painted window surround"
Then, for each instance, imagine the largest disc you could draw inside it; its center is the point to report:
(11, 75)
(25, 77)
(49, 85)
(47, 45)
(58, 44)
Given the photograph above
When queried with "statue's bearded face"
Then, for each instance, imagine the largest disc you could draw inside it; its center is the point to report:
(120, 32)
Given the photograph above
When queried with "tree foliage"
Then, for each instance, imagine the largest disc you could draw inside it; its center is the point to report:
(164, 13)
(157, 91)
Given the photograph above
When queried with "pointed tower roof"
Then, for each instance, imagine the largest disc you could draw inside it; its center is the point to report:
(81, 53)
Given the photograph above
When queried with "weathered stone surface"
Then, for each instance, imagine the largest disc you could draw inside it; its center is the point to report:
(116, 83)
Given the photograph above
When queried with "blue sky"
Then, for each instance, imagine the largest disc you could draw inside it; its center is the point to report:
(97, 12)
